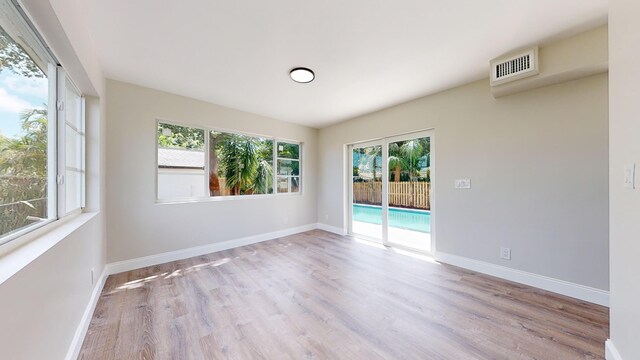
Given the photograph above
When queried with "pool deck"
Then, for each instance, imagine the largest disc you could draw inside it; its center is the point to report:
(406, 238)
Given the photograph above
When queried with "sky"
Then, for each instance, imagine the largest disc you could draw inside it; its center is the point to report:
(19, 93)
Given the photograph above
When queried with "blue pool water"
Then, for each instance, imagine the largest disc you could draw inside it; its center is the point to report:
(416, 220)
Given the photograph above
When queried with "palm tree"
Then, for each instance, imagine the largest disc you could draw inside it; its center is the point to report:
(411, 152)
(244, 165)
(263, 180)
(396, 161)
(239, 159)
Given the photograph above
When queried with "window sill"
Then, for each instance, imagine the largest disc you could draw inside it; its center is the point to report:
(17, 254)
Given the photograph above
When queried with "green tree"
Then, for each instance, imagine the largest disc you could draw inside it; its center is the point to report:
(396, 161)
(176, 136)
(27, 155)
(214, 163)
(370, 157)
(14, 58)
(243, 164)
(23, 160)
(411, 152)
(409, 157)
(263, 180)
(23, 173)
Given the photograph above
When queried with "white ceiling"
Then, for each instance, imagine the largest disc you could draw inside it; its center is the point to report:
(367, 54)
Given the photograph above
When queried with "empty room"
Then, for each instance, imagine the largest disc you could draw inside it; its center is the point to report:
(210, 179)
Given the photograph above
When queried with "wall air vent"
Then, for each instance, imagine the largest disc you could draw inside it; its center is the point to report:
(515, 66)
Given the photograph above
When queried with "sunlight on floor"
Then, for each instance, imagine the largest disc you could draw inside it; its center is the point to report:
(423, 257)
(377, 245)
(369, 243)
(133, 284)
(407, 238)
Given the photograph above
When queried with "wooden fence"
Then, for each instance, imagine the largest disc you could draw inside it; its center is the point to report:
(402, 194)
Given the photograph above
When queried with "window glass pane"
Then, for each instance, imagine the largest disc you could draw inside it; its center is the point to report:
(24, 95)
(73, 107)
(283, 184)
(295, 184)
(288, 167)
(288, 184)
(180, 137)
(240, 164)
(288, 151)
(73, 193)
(73, 148)
(181, 162)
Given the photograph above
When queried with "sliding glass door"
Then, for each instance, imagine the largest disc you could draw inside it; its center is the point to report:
(366, 190)
(391, 192)
(409, 191)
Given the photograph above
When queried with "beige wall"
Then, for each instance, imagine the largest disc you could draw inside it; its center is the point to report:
(624, 127)
(140, 227)
(41, 306)
(537, 162)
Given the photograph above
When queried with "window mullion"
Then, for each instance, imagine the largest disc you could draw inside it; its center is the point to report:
(60, 106)
(207, 162)
(83, 153)
(276, 143)
(52, 144)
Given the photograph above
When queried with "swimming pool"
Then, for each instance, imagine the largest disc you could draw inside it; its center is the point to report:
(416, 220)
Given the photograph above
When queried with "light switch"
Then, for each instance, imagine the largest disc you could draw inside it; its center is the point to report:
(630, 176)
(462, 183)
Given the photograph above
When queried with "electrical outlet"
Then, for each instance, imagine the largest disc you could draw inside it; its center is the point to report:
(462, 183)
(505, 253)
(286, 220)
(326, 216)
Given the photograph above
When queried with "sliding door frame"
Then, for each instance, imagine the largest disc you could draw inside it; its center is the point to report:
(385, 185)
(350, 149)
(384, 142)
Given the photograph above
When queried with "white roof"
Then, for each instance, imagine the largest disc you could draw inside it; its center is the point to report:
(180, 158)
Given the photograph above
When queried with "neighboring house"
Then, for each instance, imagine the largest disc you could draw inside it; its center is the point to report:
(180, 173)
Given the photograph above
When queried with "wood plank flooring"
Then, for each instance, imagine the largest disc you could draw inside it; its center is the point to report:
(317, 295)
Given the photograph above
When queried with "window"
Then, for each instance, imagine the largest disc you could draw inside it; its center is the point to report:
(74, 138)
(288, 167)
(38, 182)
(222, 164)
(240, 165)
(181, 168)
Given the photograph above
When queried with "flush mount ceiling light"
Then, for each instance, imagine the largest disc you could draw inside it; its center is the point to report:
(302, 75)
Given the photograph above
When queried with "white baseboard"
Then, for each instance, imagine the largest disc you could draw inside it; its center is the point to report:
(81, 331)
(137, 263)
(331, 229)
(611, 353)
(581, 292)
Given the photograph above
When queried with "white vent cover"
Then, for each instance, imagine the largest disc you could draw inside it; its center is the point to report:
(513, 67)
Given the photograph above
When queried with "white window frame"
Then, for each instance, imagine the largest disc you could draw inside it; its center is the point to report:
(57, 80)
(63, 81)
(207, 131)
(289, 177)
(384, 143)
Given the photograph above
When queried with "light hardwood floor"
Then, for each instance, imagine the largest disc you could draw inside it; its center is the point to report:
(317, 295)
